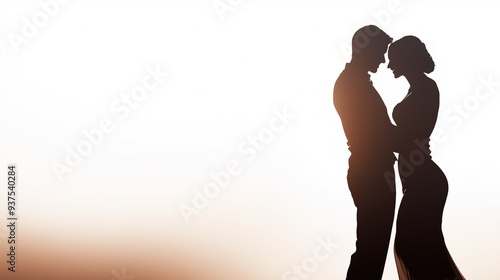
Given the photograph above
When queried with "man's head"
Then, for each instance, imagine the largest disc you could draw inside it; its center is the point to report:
(369, 45)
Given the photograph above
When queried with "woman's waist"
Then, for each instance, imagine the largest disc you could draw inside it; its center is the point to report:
(416, 148)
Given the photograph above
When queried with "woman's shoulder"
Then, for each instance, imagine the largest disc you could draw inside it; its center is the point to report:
(427, 88)
(429, 85)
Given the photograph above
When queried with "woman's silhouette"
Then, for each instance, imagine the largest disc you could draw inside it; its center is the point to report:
(419, 246)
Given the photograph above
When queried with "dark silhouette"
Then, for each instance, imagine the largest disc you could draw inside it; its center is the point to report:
(369, 132)
(419, 245)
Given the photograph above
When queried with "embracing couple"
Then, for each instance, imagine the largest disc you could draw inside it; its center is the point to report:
(419, 245)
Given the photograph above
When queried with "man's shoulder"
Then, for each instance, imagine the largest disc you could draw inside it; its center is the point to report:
(352, 76)
(340, 88)
(349, 82)
(343, 80)
(344, 75)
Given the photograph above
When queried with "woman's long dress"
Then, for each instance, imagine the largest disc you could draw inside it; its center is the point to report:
(419, 246)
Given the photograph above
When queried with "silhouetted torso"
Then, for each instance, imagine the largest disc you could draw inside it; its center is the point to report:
(364, 117)
(420, 249)
(369, 133)
(416, 117)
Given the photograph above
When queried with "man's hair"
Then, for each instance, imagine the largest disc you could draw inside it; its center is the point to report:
(368, 39)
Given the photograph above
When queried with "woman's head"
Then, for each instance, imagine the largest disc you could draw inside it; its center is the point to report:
(409, 55)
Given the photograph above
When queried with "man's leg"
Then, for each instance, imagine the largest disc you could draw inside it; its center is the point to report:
(374, 198)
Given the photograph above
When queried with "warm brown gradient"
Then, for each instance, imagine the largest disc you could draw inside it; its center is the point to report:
(45, 256)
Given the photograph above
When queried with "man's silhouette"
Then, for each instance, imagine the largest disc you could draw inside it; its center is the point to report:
(369, 134)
